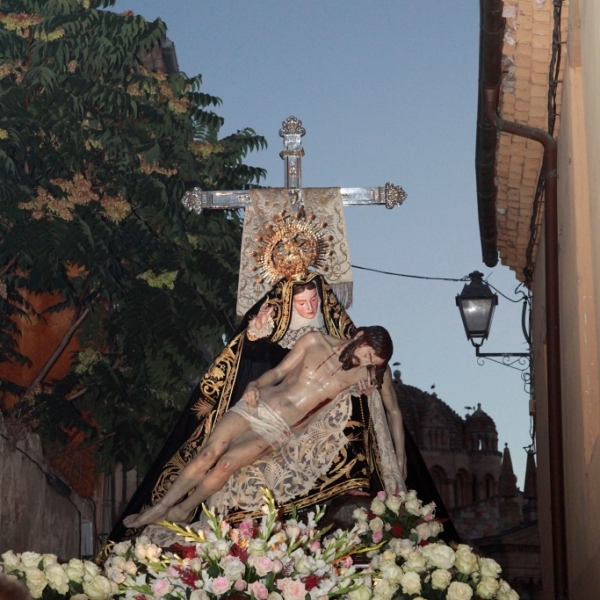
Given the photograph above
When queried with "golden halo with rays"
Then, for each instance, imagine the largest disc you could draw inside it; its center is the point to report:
(290, 246)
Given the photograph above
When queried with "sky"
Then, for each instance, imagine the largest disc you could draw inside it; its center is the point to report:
(387, 91)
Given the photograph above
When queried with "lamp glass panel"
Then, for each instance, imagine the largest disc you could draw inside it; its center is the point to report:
(477, 314)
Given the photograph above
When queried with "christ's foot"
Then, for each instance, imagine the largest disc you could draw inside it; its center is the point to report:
(154, 514)
(178, 514)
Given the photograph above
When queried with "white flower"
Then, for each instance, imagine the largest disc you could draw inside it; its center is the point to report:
(423, 531)
(401, 546)
(377, 507)
(57, 578)
(385, 589)
(391, 571)
(36, 580)
(115, 574)
(436, 528)
(466, 561)
(505, 592)
(415, 561)
(364, 592)
(131, 568)
(49, 559)
(459, 591)
(257, 547)
(121, 548)
(393, 503)
(31, 560)
(80, 597)
(376, 524)
(274, 596)
(233, 567)
(292, 530)
(11, 561)
(487, 587)
(306, 565)
(489, 567)
(413, 506)
(75, 570)
(411, 583)
(440, 579)
(90, 570)
(427, 510)
(359, 514)
(145, 551)
(99, 588)
(199, 595)
(439, 555)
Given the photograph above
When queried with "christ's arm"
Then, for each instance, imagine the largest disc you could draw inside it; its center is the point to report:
(394, 415)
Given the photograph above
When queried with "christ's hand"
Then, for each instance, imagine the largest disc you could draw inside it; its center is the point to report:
(251, 394)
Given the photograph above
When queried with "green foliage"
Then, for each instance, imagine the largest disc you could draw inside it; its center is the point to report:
(95, 155)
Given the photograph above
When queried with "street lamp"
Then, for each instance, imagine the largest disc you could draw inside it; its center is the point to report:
(476, 304)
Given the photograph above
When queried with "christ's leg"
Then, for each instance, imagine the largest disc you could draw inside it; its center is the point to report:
(246, 449)
(228, 430)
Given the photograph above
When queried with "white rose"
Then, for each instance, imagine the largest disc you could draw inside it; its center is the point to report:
(393, 503)
(391, 571)
(385, 589)
(145, 551)
(487, 587)
(131, 568)
(362, 593)
(121, 548)
(415, 561)
(489, 567)
(257, 547)
(428, 509)
(436, 528)
(439, 555)
(31, 560)
(377, 507)
(115, 574)
(413, 506)
(423, 531)
(411, 583)
(466, 561)
(36, 581)
(11, 561)
(376, 524)
(505, 592)
(57, 578)
(440, 579)
(459, 591)
(410, 495)
(359, 514)
(293, 531)
(74, 570)
(233, 568)
(274, 596)
(90, 570)
(306, 565)
(99, 588)
(401, 547)
(199, 595)
(49, 559)
(80, 597)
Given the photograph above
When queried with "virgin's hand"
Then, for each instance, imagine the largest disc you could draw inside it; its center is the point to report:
(263, 316)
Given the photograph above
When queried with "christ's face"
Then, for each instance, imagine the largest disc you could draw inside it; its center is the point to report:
(365, 356)
(306, 303)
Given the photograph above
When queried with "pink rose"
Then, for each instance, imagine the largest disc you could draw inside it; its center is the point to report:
(262, 564)
(292, 590)
(240, 585)
(258, 590)
(161, 587)
(220, 585)
(277, 566)
(381, 496)
(377, 536)
(173, 571)
(316, 545)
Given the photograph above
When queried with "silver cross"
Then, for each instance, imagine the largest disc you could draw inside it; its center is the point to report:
(292, 131)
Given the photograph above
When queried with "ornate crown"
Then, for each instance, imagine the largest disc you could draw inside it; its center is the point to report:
(290, 245)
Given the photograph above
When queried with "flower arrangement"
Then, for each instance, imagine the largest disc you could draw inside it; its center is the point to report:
(393, 552)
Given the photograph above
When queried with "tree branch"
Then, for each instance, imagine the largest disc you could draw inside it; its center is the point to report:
(77, 321)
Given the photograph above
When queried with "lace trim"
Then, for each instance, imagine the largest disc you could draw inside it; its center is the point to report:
(293, 335)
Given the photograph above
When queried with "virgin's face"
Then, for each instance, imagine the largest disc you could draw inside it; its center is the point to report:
(306, 303)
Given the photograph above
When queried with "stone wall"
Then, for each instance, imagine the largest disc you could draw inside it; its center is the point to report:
(33, 516)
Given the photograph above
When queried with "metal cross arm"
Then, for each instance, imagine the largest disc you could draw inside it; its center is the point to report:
(292, 131)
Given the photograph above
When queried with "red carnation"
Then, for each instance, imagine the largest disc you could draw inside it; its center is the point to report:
(397, 530)
(184, 551)
(239, 552)
(189, 577)
(312, 581)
